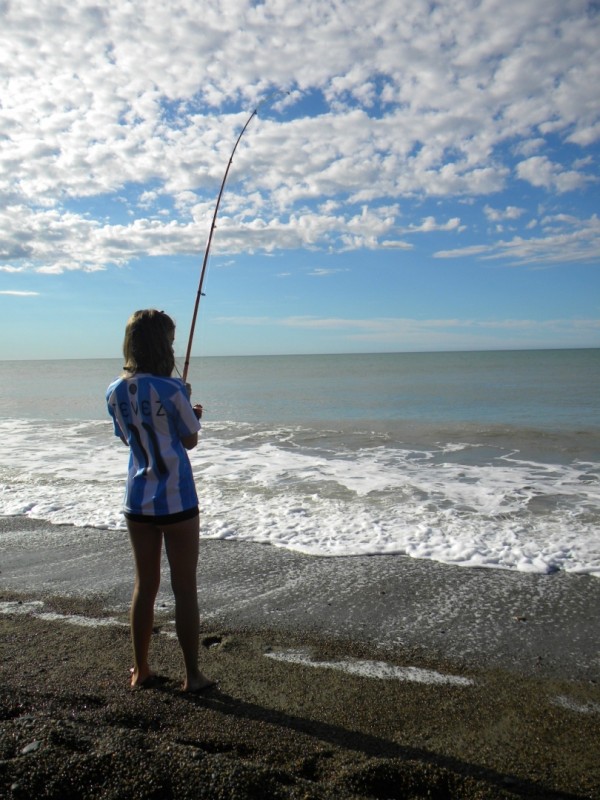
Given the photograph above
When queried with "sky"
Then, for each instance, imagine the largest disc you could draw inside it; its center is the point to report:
(419, 176)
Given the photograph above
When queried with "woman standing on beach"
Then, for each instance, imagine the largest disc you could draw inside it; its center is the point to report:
(153, 415)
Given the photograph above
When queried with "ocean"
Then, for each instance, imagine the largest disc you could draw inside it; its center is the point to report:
(479, 459)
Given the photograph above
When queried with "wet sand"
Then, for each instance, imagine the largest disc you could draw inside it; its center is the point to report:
(524, 721)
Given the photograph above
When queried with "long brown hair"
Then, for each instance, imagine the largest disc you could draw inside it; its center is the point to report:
(148, 343)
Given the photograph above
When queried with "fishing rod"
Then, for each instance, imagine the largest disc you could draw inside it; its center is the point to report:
(208, 244)
(200, 293)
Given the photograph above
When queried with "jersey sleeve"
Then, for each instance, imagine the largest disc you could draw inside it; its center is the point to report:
(110, 400)
(116, 428)
(186, 420)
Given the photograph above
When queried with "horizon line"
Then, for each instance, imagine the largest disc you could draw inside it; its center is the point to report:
(342, 353)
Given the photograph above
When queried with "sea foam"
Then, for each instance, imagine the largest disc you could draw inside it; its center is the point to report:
(328, 492)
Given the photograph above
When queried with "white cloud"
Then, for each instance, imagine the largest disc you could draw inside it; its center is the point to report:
(430, 224)
(528, 147)
(414, 100)
(390, 244)
(496, 214)
(564, 238)
(540, 171)
(462, 252)
(18, 293)
(322, 272)
(443, 334)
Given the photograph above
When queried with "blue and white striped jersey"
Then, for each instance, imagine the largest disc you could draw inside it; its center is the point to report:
(152, 414)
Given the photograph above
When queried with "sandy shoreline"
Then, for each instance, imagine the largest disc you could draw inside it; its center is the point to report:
(524, 721)
(71, 728)
(531, 623)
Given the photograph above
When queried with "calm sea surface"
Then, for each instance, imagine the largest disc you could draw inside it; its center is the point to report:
(477, 459)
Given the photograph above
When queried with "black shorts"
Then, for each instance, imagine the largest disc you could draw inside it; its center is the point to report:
(163, 519)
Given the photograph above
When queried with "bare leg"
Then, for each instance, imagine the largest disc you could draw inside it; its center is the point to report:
(146, 541)
(181, 544)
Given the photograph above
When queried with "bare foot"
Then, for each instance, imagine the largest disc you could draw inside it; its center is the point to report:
(140, 680)
(199, 683)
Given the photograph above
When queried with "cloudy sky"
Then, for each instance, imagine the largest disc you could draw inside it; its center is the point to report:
(420, 175)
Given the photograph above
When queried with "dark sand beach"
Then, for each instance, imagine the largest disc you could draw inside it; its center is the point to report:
(523, 722)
